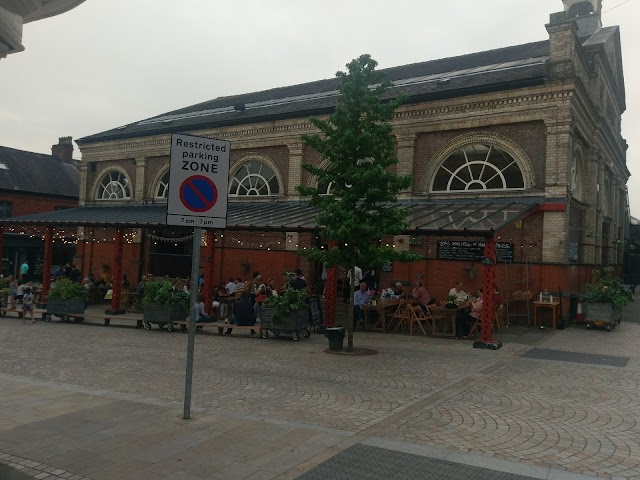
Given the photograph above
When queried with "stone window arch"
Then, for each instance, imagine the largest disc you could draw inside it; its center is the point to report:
(161, 186)
(576, 174)
(482, 161)
(113, 185)
(254, 176)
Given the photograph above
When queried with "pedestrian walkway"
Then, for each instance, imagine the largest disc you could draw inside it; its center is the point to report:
(103, 403)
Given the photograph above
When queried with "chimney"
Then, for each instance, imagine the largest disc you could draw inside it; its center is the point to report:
(64, 149)
(586, 14)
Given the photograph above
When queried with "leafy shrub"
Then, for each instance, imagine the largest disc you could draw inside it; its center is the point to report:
(65, 289)
(607, 288)
(286, 303)
(161, 292)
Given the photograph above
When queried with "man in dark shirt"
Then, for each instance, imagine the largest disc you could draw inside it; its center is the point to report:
(298, 283)
(243, 313)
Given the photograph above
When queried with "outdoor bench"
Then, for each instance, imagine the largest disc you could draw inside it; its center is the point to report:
(37, 312)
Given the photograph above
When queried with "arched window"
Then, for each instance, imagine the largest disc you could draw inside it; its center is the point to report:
(162, 188)
(478, 167)
(576, 175)
(114, 186)
(325, 188)
(254, 177)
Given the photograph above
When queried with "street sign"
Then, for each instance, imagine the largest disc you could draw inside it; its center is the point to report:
(198, 182)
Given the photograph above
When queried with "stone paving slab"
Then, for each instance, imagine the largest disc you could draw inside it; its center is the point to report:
(577, 357)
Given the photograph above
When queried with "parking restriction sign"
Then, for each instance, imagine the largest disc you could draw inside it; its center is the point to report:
(198, 182)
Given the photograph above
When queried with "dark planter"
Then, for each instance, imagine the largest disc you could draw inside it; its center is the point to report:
(293, 322)
(335, 335)
(63, 307)
(163, 314)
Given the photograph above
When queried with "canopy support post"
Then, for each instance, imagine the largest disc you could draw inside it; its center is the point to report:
(487, 340)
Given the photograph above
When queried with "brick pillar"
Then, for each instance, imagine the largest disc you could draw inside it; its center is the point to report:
(116, 280)
(487, 339)
(331, 292)
(83, 182)
(406, 153)
(209, 263)
(48, 258)
(138, 193)
(295, 169)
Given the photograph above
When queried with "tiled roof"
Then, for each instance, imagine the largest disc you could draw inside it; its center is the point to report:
(449, 77)
(455, 217)
(30, 172)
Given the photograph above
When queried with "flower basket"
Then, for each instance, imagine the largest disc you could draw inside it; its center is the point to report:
(520, 295)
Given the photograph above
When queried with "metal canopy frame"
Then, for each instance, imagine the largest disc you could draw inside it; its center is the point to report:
(471, 217)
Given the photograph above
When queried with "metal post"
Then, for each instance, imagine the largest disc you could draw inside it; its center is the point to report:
(48, 258)
(116, 279)
(210, 258)
(195, 267)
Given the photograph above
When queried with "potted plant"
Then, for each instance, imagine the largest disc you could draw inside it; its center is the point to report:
(451, 301)
(162, 304)
(66, 297)
(286, 313)
(471, 272)
(606, 296)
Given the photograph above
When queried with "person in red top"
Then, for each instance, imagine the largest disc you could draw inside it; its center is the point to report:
(422, 296)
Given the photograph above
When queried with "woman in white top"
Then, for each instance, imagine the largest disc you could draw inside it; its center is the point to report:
(201, 315)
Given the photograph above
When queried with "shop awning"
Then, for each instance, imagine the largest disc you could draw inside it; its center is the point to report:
(457, 217)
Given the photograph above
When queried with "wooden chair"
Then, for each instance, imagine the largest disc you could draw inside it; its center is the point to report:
(418, 316)
(499, 318)
(400, 317)
(442, 318)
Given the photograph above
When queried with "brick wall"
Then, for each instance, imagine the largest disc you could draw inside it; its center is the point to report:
(25, 204)
(530, 136)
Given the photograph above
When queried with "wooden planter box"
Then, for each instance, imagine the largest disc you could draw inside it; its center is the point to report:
(603, 315)
(63, 307)
(162, 314)
(295, 322)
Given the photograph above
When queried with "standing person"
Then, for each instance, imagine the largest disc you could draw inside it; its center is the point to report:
(24, 271)
(75, 275)
(27, 305)
(13, 291)
(298, 282)
(371, 278)
(140, 288)
(360, 297)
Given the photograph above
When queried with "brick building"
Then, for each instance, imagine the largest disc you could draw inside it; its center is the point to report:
(34, 183)
(525, 140)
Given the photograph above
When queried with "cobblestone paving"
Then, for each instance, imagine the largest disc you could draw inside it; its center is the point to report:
(422, 391)
(577, 357)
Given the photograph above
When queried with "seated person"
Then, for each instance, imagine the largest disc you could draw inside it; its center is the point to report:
(388, 292)
(243, 313)
(421, 296)
(201, 315)
(465, 322)
(398, 290)
(459, 293)
(360, 297)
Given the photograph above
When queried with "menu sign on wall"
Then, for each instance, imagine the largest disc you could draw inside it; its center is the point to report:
(472, 251)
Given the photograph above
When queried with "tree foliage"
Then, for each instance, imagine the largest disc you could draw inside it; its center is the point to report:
(357, 143)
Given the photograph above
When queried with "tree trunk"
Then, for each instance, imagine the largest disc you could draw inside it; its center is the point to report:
(349, 325)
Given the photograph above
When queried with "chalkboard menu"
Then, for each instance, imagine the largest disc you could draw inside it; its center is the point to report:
(472, 251)
(39, 266)
(315, 310)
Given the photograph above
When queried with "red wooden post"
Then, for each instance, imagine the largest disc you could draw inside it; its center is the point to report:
(209, 262)
(331, 292)
(487, 339)
(116, 280)
(48, 259)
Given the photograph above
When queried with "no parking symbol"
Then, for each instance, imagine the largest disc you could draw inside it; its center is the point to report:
(198, 193)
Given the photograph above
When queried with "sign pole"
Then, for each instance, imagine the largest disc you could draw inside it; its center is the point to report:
(195, 268)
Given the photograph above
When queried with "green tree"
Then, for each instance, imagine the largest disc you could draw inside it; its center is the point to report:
(357, 142)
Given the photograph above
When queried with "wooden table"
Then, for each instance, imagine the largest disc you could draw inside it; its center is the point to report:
(554, 306)
(382, 308)
(446, 315)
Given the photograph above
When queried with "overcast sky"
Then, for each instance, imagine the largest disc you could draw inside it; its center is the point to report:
(107, 63)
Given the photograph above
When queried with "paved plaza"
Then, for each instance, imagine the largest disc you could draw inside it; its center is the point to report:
(93, 402)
